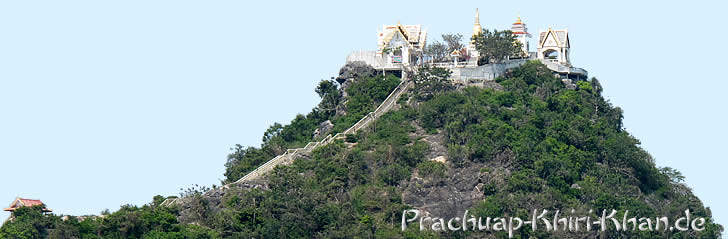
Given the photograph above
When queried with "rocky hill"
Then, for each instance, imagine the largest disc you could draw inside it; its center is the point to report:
(529, 142)
(522, 143)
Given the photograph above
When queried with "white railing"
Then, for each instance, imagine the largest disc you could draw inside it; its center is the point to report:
(290, 154)
(375, 60)
(449, 64)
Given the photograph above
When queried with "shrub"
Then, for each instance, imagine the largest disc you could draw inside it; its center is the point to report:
(432, 169)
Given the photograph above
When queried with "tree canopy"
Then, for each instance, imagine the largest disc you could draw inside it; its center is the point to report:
(437, 51)
(533, 144)
(496, 46)
(454, 42)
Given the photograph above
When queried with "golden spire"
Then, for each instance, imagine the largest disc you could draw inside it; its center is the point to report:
(477, 16)
(477, 29)
(519, 19)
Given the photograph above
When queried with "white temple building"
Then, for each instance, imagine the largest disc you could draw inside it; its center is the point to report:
(401, 46)
(554, 46)
(397, 45)
(401, 43)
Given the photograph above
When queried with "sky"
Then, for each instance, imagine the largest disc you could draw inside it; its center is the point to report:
(105, 103)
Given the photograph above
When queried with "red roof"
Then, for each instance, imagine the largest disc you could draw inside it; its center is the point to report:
(30, 202)
(22, 202)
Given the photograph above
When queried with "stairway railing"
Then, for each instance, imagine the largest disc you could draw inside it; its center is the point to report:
(290, 154)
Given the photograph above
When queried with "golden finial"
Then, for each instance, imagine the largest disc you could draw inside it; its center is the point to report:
(477, 29)
(477, 16)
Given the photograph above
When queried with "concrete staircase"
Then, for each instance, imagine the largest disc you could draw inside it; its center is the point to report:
(291, 154)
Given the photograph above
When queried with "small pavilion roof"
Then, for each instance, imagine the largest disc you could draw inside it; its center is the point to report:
(23, 202)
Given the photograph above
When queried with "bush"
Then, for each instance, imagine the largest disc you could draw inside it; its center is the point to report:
(583, 85)
(432, 169)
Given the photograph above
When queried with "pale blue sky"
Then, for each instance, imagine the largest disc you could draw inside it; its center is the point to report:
(104, 103)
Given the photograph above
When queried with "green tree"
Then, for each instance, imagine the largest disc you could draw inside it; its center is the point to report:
(535, 141)
(28, 223)
(496, 46)
(330, 97)
(454, 42)
(430, 81)
(437, 51)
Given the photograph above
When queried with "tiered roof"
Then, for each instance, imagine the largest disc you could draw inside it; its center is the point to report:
(519, 28)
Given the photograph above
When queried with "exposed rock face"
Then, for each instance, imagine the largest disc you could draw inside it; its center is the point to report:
(323, 129)
(347, 74)
(440, 159)
(492, 85)
(444, 197)
(353, 70)
(438, 151)
(569, 84)
(450, 197)
(462, 187)
(341, 107)
(194, 209)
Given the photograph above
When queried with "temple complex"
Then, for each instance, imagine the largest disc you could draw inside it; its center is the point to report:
(405, 45)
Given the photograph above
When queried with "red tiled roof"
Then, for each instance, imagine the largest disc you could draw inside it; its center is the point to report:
(30, 202)
(25, 203)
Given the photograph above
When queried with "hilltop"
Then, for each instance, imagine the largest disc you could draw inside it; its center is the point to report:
(525, 140)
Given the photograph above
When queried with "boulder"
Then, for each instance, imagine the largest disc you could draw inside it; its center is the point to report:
(323, 129)
(354, 69)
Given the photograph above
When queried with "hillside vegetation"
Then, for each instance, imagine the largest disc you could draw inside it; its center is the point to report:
(533, 145)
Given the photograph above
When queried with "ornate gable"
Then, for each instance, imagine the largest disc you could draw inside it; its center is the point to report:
(549, 39)
(396, 39)
(553, 45)
(405, 35)
(554, 38)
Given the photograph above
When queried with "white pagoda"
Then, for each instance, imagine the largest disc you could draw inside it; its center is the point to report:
(520, 30)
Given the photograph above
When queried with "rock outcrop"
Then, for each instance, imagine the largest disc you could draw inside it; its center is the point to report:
(353, 70)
